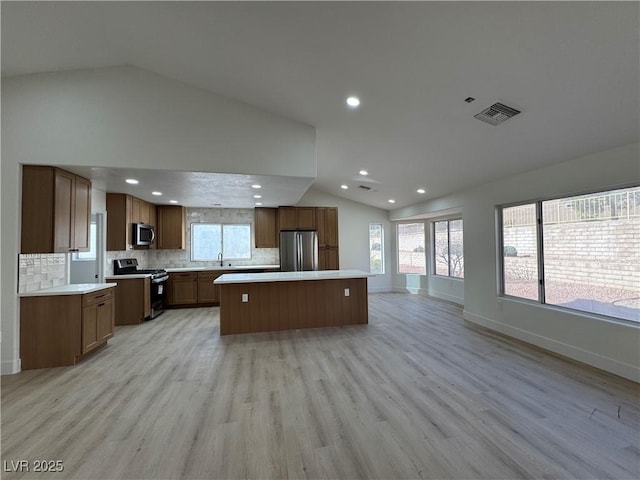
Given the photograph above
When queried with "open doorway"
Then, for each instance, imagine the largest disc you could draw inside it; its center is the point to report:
(86, 267)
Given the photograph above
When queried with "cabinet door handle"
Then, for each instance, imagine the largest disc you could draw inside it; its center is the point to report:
(100, 296)
(101, 305)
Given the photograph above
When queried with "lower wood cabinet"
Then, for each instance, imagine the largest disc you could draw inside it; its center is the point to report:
(195, 288)
(59, 330)
(97, 324)
(182, 288)
(133, 300)
(207, 291)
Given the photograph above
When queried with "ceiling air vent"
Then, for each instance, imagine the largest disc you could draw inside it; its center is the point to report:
(364, 187)
(496, 114)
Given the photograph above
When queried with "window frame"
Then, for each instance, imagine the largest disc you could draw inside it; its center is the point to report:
(92, 254)
(541, 301)
(382, 256)
(222, 249)
(424, 252)
(432, 230)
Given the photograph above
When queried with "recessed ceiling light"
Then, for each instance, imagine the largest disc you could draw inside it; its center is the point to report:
(132, 181)
(364, 172)
(173, 201)
(258, 204)
(257, 196)
(344, 187)
(353, 101)
(157, 194)
(256, 186)
(391, 200)
(421, 190)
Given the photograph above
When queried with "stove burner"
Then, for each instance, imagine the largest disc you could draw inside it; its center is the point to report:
(160, 270)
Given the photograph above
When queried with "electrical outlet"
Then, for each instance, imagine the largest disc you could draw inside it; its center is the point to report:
(346, 292)
(245, 297)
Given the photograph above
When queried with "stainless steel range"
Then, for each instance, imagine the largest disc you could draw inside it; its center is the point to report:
(159, 277)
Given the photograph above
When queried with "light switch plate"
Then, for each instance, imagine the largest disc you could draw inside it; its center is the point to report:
(245, 297)
(346, 292)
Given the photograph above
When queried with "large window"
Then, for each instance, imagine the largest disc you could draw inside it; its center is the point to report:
(411, 252)
(210, 240)
(447, 248)
(376, 248)
(579, 252)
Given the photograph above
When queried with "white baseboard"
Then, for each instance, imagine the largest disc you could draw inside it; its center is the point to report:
(379, 289)
(414, 291)
(616, 367)
(10, 367)
(449, 298)
(399, 290)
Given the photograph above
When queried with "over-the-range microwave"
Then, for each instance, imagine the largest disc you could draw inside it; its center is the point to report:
(143, 234)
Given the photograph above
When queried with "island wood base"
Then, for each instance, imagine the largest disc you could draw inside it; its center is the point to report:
(290, 305)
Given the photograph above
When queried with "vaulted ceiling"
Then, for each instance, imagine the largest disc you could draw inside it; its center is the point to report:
(571, 68)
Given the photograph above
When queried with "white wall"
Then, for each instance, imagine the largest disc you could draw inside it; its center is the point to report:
(610, 345)
(353, 234)
(128, 117)
(98, 201)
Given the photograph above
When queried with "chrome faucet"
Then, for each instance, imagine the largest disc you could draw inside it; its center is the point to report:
(220, 259)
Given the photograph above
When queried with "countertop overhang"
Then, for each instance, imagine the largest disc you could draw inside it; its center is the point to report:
(71, 289)
(229, 278)
(128, 276)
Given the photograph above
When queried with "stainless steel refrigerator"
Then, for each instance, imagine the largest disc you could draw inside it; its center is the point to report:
(298, 250)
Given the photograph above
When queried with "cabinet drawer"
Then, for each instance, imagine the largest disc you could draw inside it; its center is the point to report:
(183, 276)
(99, 296)
(206, 276)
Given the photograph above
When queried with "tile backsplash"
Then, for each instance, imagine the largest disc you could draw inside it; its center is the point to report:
(182, 258)
(38, 271)
(141, 255)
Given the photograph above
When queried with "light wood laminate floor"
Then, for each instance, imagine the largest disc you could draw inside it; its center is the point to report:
(417, 393)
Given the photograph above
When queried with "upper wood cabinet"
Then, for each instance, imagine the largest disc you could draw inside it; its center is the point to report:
(327, 223)
(297, 218)
(328, 258)
(171, 231)
(56, 210)
(266, 227)
(82, 214)
(143, 212)
(119, 230)
(122, 211)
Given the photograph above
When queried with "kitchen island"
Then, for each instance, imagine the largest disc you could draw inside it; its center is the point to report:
(265, 302)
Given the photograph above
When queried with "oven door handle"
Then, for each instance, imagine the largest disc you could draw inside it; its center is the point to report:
(160, 279)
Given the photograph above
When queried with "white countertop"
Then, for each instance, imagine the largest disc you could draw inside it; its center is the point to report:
(130, 275)
(216, 268)
(71, 289)
(290, 276)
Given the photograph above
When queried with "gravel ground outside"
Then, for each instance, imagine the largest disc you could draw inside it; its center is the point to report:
(597, 299)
